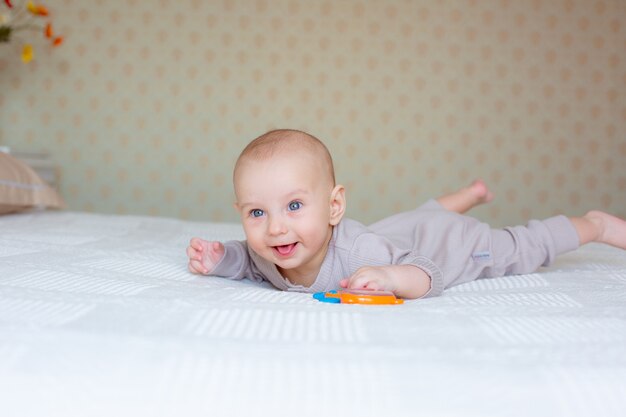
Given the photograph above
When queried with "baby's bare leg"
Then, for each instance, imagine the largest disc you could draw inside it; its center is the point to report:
(597, 226)
(466, 198)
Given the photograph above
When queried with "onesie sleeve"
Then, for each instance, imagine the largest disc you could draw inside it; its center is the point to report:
(370, 249)
(236, 263)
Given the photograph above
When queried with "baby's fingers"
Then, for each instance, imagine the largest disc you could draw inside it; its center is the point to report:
(364, 278)
(196, 267)
(193, 253)
(218, 247)
(355, 282)
(197, 244)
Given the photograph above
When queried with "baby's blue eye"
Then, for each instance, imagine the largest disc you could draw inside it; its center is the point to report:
(295, 205)
(256, 212)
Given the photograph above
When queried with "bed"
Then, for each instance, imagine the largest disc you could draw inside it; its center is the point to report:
(100, 317)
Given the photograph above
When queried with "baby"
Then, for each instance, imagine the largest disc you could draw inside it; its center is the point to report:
(297, 239)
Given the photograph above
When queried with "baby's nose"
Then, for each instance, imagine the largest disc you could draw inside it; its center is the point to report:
(277, 226)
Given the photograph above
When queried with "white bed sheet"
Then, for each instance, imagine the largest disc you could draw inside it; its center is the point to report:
(99, 317)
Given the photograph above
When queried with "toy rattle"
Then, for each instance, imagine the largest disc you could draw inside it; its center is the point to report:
(358, 297)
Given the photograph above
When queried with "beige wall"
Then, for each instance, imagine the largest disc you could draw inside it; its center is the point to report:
(147, 103)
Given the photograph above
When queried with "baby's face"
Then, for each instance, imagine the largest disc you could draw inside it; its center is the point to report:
(285, 203)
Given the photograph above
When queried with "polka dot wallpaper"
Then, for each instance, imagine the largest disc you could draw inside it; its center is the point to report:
(146, 105)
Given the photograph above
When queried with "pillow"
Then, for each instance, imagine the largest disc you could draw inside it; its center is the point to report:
(21, 188)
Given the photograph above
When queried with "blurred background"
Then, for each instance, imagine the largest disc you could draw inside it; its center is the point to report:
(145, 106)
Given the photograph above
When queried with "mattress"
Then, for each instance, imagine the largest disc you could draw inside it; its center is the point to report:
(100, 317)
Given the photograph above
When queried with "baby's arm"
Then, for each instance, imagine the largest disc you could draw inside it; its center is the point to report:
(406, 281)
(204, 255)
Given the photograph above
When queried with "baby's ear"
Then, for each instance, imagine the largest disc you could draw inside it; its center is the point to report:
(337, 204)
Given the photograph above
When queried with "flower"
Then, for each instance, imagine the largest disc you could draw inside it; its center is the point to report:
(26, 16)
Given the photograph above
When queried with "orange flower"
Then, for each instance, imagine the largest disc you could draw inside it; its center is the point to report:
(24, 21)
(37, 10)
(27, 53)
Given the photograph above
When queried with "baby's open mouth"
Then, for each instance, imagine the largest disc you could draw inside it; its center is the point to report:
(285, 250)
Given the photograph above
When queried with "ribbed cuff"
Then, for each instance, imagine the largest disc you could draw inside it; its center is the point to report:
(563, 234)
(230, 265)
(436, 276)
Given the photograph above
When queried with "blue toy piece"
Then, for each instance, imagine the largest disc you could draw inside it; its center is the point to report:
(321, 296)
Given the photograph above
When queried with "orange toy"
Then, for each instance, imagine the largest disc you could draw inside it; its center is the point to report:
(358, 297)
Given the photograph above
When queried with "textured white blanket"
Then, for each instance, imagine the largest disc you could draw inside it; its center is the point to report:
(99, 317)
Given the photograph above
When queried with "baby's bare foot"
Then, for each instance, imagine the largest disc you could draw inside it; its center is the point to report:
(467, 198)
(610, 229)
(478, 192)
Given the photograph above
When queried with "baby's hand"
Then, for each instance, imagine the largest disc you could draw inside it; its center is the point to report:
(369, 278)
(204, 255)
(406, 281)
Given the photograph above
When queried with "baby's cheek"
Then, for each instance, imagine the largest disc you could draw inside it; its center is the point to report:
(255, 242)
(315, 235)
